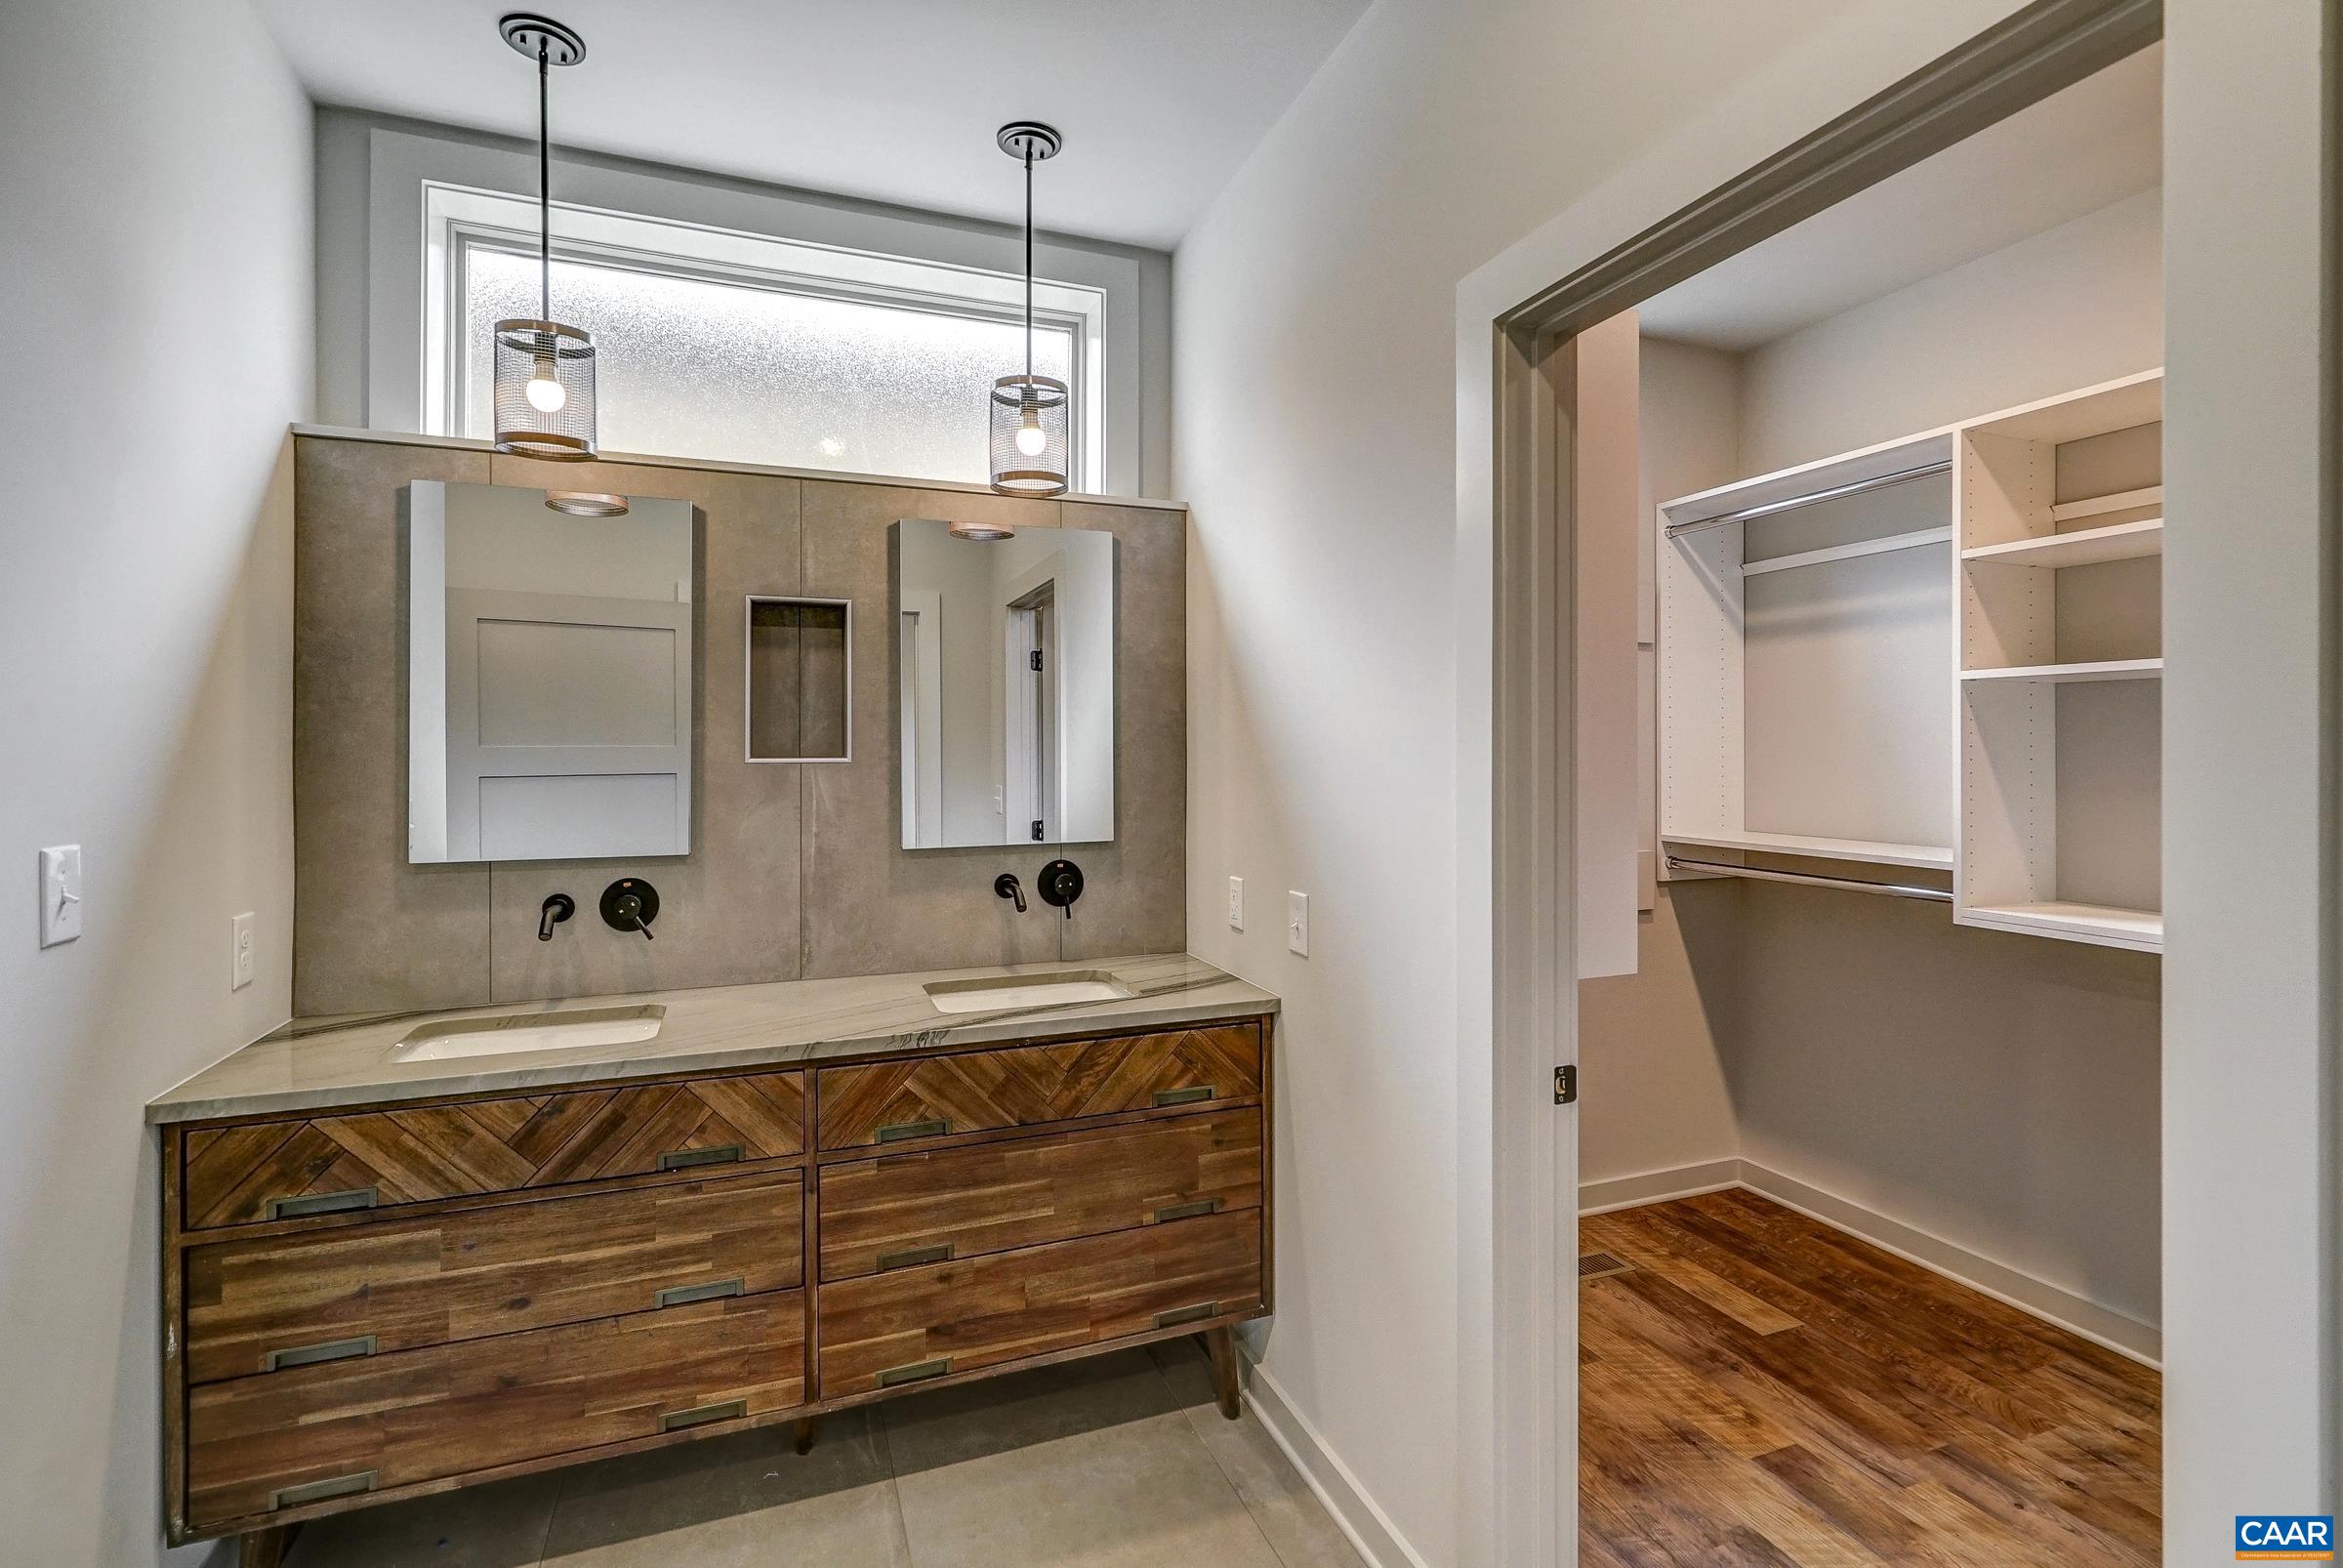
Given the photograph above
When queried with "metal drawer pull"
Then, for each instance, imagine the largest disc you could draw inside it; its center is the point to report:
(323, 1202)
(913, 1257)
(1187, 1314)
(308, 1355)
(937, 1128)
(1185, 1096)
(675, 1420)
(678, 1295)
(917, 1372)
(340, 1486)
(1187, 1211)
(686, 1159)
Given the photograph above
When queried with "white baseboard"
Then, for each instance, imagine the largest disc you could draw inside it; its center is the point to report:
(1370, 1530)
(1657, 1186)
(2053, 1303)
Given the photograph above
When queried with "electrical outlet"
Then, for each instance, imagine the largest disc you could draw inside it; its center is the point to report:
(240, 965)
(60, 894)
(1236, 903)
(1297, 923)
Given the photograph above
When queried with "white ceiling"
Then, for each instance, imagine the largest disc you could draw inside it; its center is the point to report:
(2093, 144)
(889, 100)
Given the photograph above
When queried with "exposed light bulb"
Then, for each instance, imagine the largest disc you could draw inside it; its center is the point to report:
(546, 395)
(1032, 440)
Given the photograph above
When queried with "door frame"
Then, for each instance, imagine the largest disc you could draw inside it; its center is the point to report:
(1516, 753)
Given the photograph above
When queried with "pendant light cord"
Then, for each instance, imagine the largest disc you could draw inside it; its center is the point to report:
(544, 194)
(1029, 268)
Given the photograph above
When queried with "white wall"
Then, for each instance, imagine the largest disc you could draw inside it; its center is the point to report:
(2250, 873)
(2073, 305)
(1994, 1090)
(154, 170)
(1654, 1095)
(1653, 1044)
(1314, 433)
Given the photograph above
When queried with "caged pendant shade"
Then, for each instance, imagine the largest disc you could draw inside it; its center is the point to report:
(1027, 414)
(544, 394)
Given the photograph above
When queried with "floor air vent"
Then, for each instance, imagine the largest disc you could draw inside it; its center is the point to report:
(1594, 1265)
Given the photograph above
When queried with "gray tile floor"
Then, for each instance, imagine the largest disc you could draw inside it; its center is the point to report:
(1118, 1461)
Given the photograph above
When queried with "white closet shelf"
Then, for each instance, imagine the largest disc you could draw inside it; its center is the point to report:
(2141, 929)
(2121, 500)
(2085, 547)
(1869, 852)
(2102, 670)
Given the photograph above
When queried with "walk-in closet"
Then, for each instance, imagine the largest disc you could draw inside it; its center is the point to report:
(1869, 1200)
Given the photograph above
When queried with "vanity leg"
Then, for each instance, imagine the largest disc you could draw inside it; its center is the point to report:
(265, 1549)
(1221, 1345)
(803, 1427)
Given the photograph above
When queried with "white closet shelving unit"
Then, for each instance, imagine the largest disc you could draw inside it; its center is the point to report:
(2060, 512)
(1931, 654)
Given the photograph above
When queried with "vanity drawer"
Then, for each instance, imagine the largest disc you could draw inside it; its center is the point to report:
(909, 1208)
(885, 1330)
(271, 1303)
(256, 1445)
(377, 1159)
(1028, 1085)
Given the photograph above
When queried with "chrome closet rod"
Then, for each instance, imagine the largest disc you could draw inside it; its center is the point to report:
(1767, 509)
(1894, 890)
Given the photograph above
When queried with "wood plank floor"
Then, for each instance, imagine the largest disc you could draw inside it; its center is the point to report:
(1758, 1389)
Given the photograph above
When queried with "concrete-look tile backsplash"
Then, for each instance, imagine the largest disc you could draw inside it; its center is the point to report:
(796, 871)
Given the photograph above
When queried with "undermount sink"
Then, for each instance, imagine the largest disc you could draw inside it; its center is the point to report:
(529, 1031)
(1013, 991)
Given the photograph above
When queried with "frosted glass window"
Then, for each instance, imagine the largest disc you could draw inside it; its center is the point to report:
(701, 367)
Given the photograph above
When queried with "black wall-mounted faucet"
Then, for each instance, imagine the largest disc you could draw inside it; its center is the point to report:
(557, 908)
(1007, 885)
(631, 905)
(1061, 884)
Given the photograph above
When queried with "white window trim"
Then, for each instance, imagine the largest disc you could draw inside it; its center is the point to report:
(459, 218)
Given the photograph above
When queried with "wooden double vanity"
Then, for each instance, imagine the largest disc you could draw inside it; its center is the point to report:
(382, 1298)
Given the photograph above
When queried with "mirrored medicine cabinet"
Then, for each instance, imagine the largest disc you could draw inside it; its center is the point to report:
(1006, 665)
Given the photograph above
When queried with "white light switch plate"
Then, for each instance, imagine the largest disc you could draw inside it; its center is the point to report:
(1297, 923)
(1236, 903)
(60, 894)
(240, 960)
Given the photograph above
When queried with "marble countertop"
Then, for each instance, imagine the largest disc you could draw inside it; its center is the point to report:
(319, 1064)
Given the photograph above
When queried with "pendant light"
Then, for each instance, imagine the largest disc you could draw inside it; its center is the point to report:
(543, 369)
(1028, 412)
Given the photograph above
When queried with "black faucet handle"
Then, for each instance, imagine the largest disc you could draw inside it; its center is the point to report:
(1060, 885)
(631, 905)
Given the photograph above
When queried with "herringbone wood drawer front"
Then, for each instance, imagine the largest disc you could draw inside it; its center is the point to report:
(278, 1302)
(1025, 1086)
(376, 1159)
(384, 1301)
(888, 1330)
(256, 1444)
(907, 1209)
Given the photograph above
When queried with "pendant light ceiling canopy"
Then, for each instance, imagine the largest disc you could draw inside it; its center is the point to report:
(1027, 413)
(544, 370)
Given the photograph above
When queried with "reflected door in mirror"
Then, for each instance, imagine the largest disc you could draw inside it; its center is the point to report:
(550, 677)
(1006, 686)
